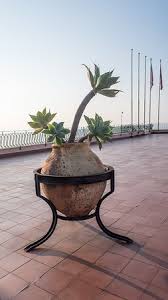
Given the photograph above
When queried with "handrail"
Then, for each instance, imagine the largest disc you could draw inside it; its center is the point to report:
(22, 138)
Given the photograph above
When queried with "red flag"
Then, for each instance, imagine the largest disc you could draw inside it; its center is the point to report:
(160, 80)
(151, 75)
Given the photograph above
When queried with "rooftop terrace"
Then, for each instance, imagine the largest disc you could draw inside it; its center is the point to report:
(79, 261)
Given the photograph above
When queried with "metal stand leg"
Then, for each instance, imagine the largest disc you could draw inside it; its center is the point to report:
(107, 231)
(50, 231)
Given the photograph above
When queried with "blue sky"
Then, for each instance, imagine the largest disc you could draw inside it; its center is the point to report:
(44, 43)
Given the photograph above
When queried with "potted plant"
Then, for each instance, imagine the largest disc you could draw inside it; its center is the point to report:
(74, 157)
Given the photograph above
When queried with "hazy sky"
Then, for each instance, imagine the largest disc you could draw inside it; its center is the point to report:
(44, 43)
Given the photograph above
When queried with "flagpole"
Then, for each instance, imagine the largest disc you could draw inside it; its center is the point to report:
(132, 91)
(145, 96)
(150, 93)
(159, 98)
(138, 89)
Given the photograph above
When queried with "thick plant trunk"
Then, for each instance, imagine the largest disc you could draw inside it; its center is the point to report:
(78, 115)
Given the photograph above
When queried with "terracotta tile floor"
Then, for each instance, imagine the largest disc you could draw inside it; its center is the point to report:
(78, 261)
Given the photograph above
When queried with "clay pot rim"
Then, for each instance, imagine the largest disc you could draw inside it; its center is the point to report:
(70, 145)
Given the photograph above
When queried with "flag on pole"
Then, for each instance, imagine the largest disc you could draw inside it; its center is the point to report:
(151, 75)
(160, 79)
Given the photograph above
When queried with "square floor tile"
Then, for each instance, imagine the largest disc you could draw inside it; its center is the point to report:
(4, 236)
(71, 265)
(4, 252)
(79, 289)
(161, 279)
(112, 261)
(126, 287)
(50, 257)
(68, 245)
(54, 281)
(10, 286)
(13, 261)
(15, 243)
(124, 250)
(31, 271)
(102, 242)
(89, 253)
(96, 277)
(141, 271)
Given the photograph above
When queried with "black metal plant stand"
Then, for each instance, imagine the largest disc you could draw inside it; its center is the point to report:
(53, 180)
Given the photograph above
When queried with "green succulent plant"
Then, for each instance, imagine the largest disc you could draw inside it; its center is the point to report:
(101, 84)
(101, 130)
(56, 132)
(41, 120)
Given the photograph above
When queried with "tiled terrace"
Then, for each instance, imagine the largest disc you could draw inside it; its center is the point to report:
(79, 262)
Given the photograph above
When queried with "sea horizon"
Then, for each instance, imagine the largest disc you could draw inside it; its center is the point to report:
(163, 125)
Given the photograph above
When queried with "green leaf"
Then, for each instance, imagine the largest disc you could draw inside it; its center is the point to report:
(40, 116)
(90, 75)
(58, 140)
(66, 131)
(97, 74)
(34, 118)
(44, 111)
(113, 80)
(50, 138)
(37, 131)
(46, 131)
(107, 123)
(103, 81)
(50, 117)
(59, 125)
(108, 93)
(90, 123)
(34, 125)
(51, 128)
(88, 120)
(99, 142)
(98, 119)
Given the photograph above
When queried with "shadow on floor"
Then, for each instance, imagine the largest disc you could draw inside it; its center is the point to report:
(54, 252)
(133, 247)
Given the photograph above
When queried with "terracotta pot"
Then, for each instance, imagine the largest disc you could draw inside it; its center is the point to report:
(74, 159)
